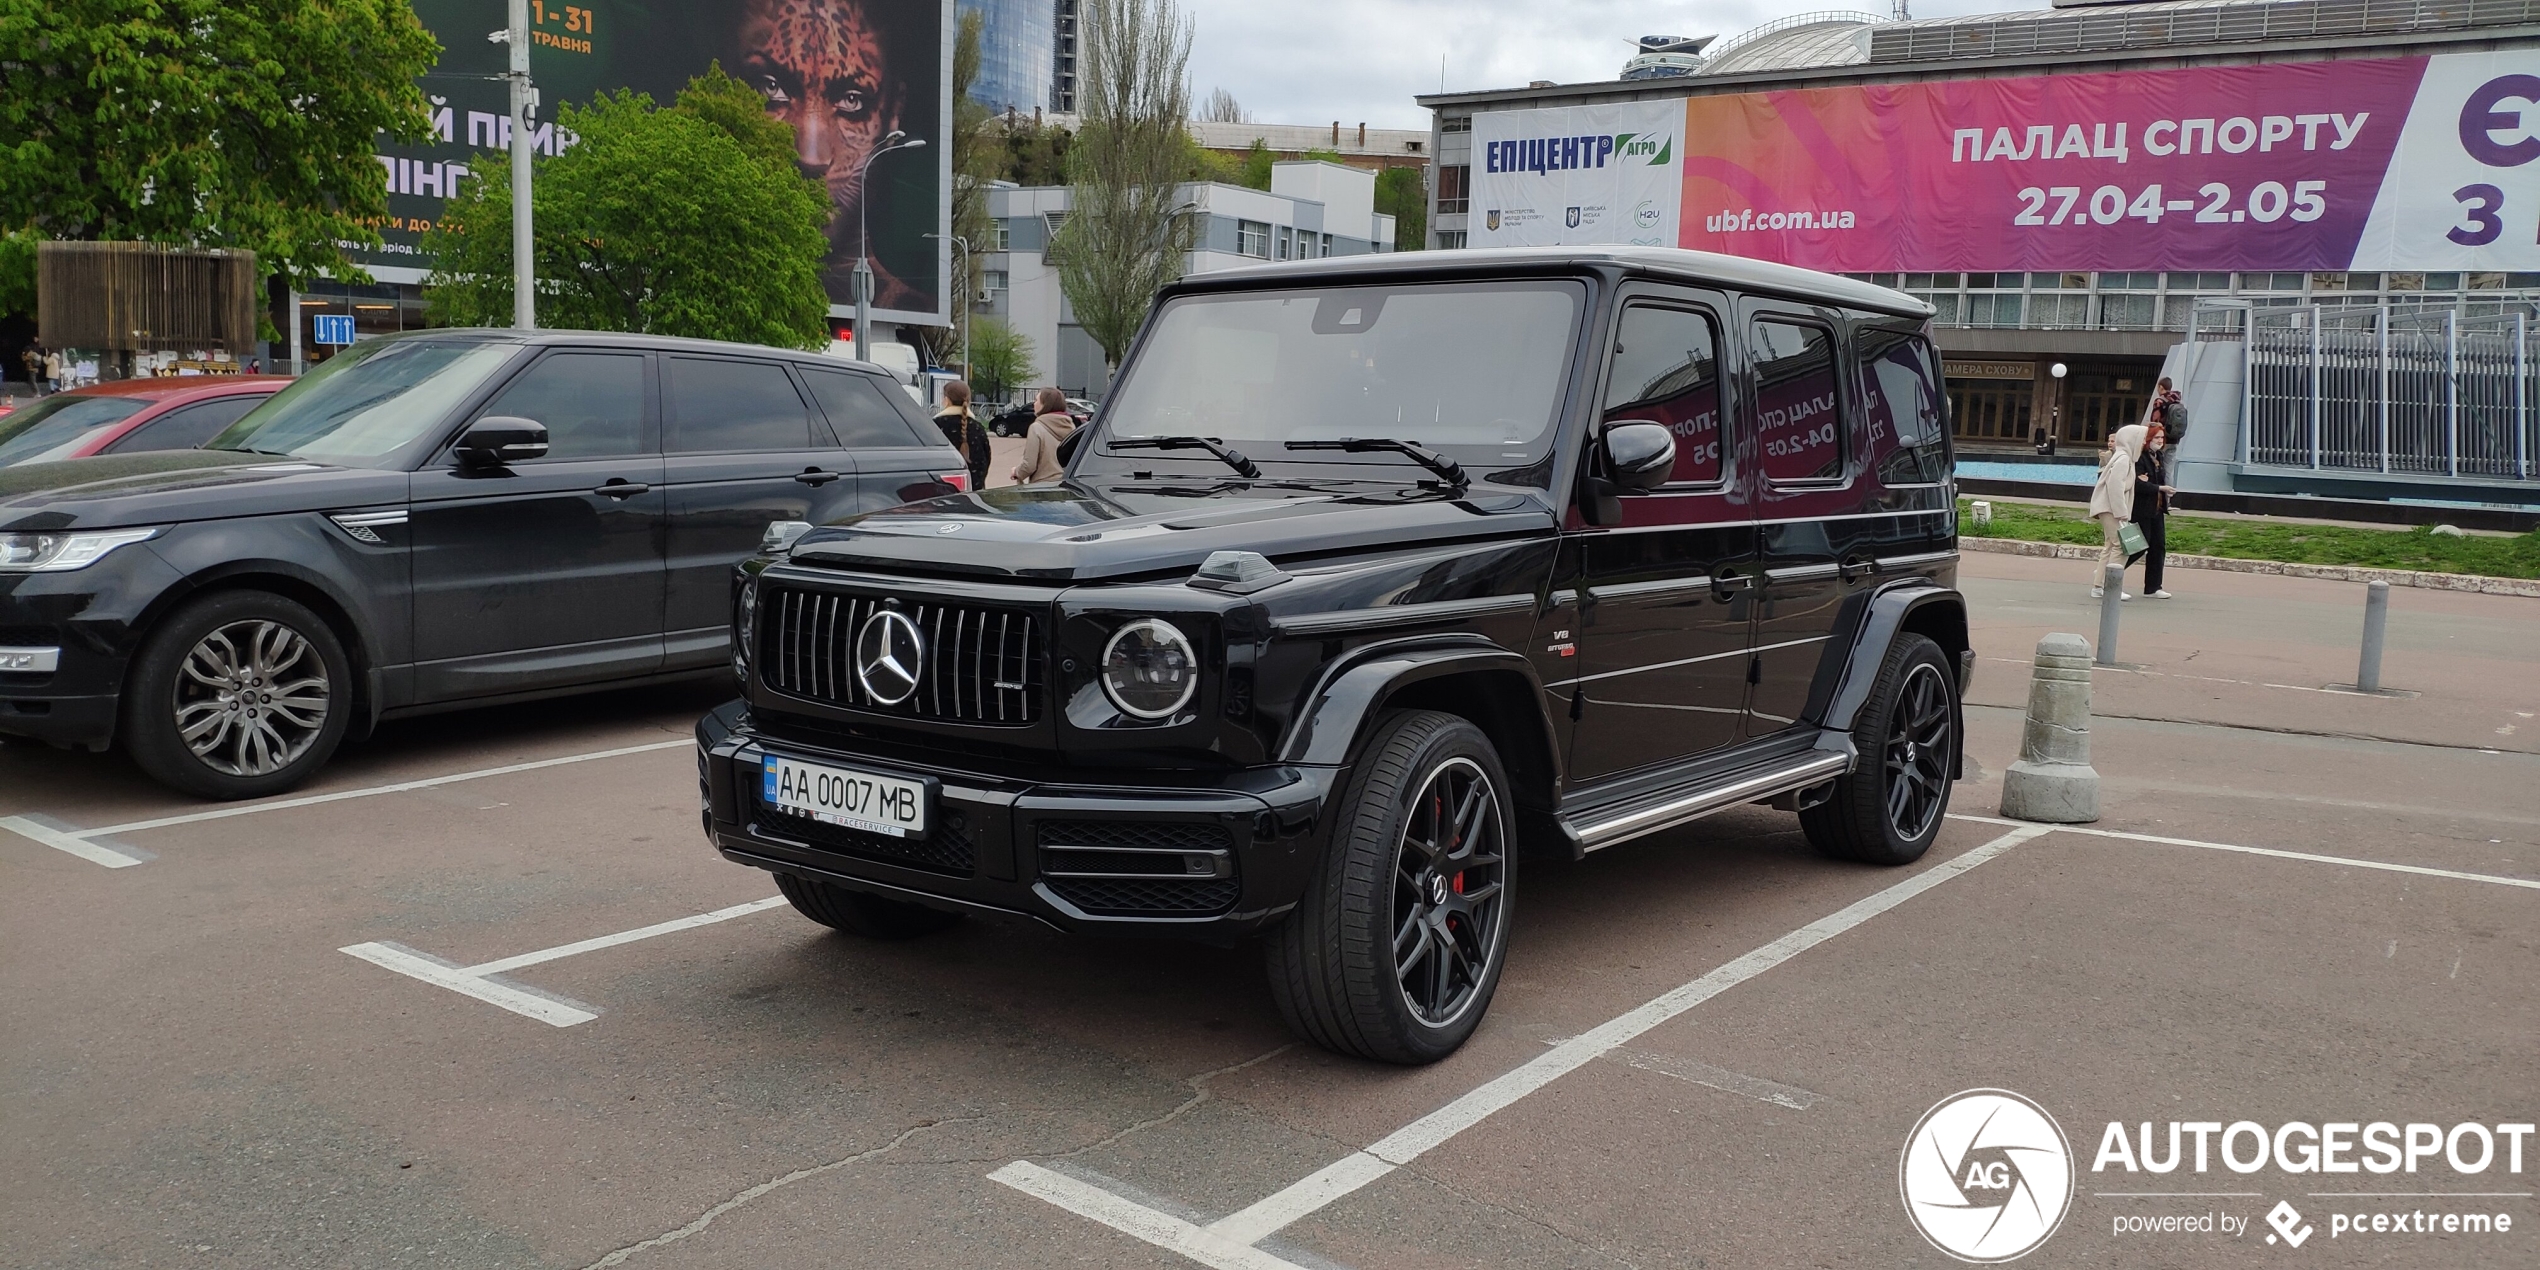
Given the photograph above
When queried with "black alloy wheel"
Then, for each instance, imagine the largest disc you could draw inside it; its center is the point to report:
(1396, 947)
(1890, 806)
(237, 695)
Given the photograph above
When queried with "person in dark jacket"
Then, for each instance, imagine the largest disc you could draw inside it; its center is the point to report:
(2151, 509)
(962, 429)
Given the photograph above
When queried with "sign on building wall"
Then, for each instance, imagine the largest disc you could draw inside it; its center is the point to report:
(844, 73)
(2369, 164)
(1577, 174)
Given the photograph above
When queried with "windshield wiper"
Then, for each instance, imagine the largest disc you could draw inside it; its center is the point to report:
(1235, 459)
(1448, 470)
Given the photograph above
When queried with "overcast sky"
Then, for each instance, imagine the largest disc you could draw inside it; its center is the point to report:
(1313, 61)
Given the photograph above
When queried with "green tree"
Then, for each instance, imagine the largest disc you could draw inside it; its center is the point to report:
(977, 160)
(1121, 240)
(1256, 168)
(692, 221)
(1403, 194)
(1035, 153)
(17, 273)
(219, 123)
(1000, 359)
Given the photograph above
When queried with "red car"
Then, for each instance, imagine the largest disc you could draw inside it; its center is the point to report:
(130, 415)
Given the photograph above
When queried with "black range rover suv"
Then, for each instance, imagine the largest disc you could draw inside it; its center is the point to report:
(426, 522)
(1369, 572)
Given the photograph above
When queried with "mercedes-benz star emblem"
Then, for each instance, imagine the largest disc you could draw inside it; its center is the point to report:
(890, 654)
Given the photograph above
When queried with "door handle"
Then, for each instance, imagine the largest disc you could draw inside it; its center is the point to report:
(1859, 567)
(1725, 585)
(815, 476)
(617, 488)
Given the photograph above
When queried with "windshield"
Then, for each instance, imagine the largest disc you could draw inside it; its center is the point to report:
(369, 403)
(54, 427)
(1473, 370)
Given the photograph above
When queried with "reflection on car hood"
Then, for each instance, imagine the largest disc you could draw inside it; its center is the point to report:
(175, 486)
(1079, 533)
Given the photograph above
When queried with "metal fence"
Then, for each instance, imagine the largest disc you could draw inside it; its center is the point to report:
(2423, 390)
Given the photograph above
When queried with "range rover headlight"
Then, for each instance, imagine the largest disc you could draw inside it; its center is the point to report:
(62, 552)
(1149, 669)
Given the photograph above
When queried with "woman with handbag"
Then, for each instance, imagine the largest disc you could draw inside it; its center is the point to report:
(2112, 504)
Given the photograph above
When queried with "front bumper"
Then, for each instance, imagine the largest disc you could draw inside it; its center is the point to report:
(1214, 859)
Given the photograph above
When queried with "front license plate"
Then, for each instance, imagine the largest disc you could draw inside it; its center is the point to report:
(845, 797)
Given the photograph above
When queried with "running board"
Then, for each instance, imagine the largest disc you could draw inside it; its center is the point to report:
(1814, 767)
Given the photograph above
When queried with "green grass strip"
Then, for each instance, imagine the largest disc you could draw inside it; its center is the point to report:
(2190, 535)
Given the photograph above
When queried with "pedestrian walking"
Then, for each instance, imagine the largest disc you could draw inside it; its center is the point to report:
(52, 370)
(33, 358)
(1049, 430)
(2112, 500)
(962, 429)
(2152, 491)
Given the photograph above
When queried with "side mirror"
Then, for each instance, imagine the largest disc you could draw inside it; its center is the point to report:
(1640, 456)
(498, 439)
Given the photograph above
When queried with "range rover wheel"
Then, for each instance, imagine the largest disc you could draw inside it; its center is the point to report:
(1888, 810)
(859, 913)
(237, 695)
(1398, 944)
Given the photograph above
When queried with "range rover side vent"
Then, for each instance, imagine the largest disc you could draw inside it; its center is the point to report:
(982, 665)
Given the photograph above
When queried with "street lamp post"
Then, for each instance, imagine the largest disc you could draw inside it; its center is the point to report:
(863, 246)
(524, 268)
(963, 294)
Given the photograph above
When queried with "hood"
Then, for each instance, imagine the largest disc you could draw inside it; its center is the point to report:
(176, 486)
(1077, 533)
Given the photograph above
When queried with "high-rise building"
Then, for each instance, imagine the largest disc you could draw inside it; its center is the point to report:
(1016, 47)
(1063, 49)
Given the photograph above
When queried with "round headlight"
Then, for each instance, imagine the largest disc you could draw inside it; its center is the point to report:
(1148, 669)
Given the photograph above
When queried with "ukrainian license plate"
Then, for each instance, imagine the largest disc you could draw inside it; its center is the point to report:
(846, 797)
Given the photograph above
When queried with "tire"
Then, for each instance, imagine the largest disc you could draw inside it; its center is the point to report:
(1891, 806)
(860, 913)
(238, 694)
(1334, 965)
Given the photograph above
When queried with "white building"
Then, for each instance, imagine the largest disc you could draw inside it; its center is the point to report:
(1311, 210)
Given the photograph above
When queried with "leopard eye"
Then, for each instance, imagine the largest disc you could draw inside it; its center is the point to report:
(774, 92)
(850, 103)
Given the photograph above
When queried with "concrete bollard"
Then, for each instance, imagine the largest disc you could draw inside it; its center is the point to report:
(2111, 594)
(2053, 782)
(2376, 619)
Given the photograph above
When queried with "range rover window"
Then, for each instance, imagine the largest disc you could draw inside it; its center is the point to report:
(1474, 370)
(860, 412)
(592, 404)
(370, 403)
(1798, 422)
(1667, 371)
(1901, 397)
(719, 406)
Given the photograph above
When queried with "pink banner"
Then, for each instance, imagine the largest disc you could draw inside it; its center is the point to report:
(2247, 167)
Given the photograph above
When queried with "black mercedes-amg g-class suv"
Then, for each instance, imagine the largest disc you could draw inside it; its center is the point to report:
(1369, 573)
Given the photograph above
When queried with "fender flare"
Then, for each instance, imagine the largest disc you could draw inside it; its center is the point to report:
(1884, 616)
(1337, 712)
(362, 644)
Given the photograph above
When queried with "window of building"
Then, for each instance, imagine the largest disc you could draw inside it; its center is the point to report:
(992, 282)
(1252, 238)
(2126, 312)
(1005, 237)
(1450, 239)
(1287, 242)
(2055, 310)
(1993, 310)
(1327, 244)
(1455, 189)
(1460, 124)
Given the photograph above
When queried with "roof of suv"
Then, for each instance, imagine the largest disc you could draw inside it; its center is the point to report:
(1703, 267)
(629, 339)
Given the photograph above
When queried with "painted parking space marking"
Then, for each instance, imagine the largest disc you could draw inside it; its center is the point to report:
(1221, 1242)
(2420, 870)
(77, 841)
(484, 983)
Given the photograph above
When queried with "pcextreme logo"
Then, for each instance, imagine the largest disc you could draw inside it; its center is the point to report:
(1986, 1175)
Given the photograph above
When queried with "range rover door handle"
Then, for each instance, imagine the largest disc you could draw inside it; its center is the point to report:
(620, 488)
(815, 476)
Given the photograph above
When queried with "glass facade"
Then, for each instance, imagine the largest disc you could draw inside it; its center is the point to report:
(1016, 39)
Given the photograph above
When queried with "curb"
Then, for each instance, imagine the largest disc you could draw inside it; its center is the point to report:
(2526, 587)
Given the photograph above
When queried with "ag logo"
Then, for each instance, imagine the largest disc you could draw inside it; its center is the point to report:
(1491, 219)
(1573, 218)
(1986, 1175)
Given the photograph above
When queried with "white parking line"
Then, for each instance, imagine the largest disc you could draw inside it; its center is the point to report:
(78, 841)
(478, 980)
(1239, 1231)
(2349, 861)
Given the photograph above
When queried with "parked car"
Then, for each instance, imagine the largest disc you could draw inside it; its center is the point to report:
(1013, 421)
(426, 521)
(1372, 571)
(129, 416)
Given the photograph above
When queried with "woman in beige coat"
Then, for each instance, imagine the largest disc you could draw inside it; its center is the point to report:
(1054, 425)
(2112, 500)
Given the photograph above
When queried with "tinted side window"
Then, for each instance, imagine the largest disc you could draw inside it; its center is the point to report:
(592, 404)
(720, 405)
(858, 410)
(1667, 371)
(187, 427)
(1798, 428)
(1903, 399)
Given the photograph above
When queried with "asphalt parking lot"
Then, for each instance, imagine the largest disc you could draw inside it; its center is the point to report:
(481, 996)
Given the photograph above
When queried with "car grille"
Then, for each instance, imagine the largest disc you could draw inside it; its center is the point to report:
(1140, 868)
(943, 851)
(983, 665)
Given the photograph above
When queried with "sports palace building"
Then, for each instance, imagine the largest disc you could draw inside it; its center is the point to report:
(2072, 186)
